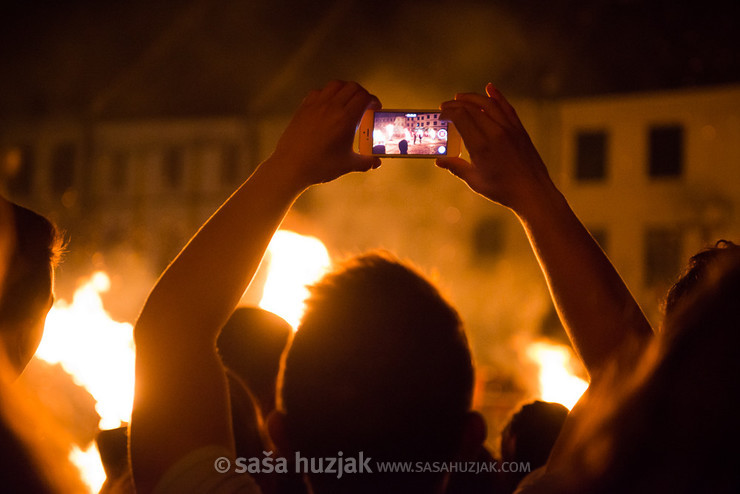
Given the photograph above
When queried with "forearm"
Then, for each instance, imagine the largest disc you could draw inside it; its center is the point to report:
(596, 308)
(201, 287)
(181, 400)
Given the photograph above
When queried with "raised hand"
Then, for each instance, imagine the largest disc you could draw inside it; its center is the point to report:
(504, 164)
(595, 307)
(317, 145)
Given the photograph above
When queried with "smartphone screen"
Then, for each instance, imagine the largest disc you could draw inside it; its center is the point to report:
(409, 133)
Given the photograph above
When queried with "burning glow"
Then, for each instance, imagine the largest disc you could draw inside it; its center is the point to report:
(295, 261)
(557, 383)
(98, 353)
(378, 137)
(389, 131)
(90, 466)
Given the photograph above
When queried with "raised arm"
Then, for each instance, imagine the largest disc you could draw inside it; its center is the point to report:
(596, 308)
(181, 400)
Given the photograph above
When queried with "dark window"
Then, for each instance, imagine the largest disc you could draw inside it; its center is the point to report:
(591, 151)
(63, 167)
(230, 172)
(118, 176)
(488, 238)
(20, 163)
(666, 151)
(663, 252)
(601, 236)
(174, 168)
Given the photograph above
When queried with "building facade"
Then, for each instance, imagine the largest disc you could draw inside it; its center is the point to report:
(653, 176)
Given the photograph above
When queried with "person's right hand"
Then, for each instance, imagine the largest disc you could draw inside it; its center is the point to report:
(317, 144)
(504, 164)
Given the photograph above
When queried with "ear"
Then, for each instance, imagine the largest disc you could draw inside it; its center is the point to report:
(474, 435)
(278, 432)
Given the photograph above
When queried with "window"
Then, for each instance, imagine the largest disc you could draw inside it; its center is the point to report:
(663, 253)
(19, 165)
(488, 238)
(665, 151)
(591, 151)
(230, 165)
(601, 236)
(63, 167)
(174, 168)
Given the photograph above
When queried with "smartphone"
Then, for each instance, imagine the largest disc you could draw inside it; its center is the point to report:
(407, 134)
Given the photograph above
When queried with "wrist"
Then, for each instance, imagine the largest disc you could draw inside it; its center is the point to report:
(284, 180)
(539, 202)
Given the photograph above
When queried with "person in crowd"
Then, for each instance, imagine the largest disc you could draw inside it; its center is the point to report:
(380, 365)
(696, 272)
(251, 345)
(528, 438)
(597, 310)
(27, 292)
(33, 450)
(666, 428)
(652, 401)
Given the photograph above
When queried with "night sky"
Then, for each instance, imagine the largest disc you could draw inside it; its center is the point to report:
(208, 57)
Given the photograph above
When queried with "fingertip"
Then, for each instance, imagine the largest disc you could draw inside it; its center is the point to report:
(441, 163)
(375, 103)
(368, 163)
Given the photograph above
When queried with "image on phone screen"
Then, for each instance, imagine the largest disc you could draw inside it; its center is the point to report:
(409, 133)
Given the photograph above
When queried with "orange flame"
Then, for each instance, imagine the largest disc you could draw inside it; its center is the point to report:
(98, 353)
(557, 383)
(295, 262)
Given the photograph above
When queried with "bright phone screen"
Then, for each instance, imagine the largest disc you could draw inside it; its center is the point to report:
(410, 133)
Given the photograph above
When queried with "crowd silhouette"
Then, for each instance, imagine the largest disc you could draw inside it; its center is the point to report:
(380, 366)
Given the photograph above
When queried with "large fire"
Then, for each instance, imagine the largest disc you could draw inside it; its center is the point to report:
(98, 352)
(295, 262)
(557, 381)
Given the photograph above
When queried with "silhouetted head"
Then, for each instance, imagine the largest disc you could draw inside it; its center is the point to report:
(251, 345)
(531, 433)
(696, 272)
(27, 288)
(678, 412)
(403, 146)
(380, 364)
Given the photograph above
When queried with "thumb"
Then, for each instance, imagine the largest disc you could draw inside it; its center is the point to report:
(456, 166)
(364, 163)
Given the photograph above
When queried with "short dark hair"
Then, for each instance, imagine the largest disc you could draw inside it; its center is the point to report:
(251, 344)
(379, 364)
(696, 272)
(535, 427)
(677, 412)
(38, 250)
